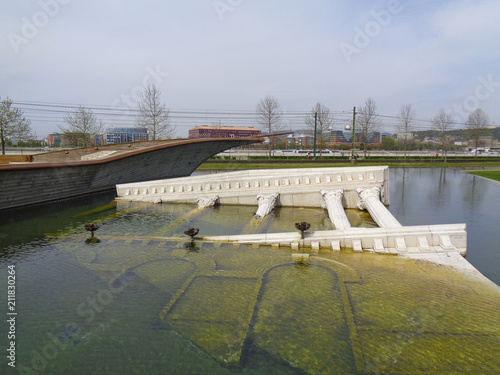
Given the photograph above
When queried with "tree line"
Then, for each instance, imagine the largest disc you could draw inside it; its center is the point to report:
(154, 116)
(84, 125)
(320, 122)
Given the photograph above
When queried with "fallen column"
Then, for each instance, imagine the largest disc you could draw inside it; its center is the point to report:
(204, 202)
(333, 202)
(370, 201)
(266, 204)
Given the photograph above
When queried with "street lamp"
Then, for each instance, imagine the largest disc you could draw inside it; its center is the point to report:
(347, 128)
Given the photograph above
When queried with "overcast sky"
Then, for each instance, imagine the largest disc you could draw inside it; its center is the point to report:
(226, 55)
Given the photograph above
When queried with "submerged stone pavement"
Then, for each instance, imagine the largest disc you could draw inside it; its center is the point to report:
(340, 312)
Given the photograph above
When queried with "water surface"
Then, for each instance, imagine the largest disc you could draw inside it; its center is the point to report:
(421, 196)
(145, 300)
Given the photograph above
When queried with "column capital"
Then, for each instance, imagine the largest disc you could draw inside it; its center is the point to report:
(332, 194)
(211, 201)
(266, 204)
(269, 198)
(366, 193)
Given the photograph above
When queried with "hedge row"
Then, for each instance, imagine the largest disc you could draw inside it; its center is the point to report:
(378, 159)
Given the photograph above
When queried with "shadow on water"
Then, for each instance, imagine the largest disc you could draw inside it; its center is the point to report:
(33, 223)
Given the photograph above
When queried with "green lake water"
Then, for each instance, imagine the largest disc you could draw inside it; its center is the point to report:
(144, 300)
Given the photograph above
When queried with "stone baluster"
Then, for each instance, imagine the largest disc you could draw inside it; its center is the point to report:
(369, 199)
(211, 201)
(333, 201)
(266, 204)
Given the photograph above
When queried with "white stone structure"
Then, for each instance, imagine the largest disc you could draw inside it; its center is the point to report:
(332, 188)
(370, 200)
(208, 201)
(266, 204)
(422, 239)
(296, 187)
(333, 202)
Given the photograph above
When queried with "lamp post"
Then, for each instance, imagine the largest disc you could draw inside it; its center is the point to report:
(315, 131)
(348, 127)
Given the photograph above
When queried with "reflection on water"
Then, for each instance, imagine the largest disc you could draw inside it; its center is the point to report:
(423, 196)
(137, 302)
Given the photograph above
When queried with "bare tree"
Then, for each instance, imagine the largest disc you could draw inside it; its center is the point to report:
(218, 128)
(367, 120)
(269, 117)
(13, 124)
(324, 123)
(476, 124)
(153, 115)
(443, 122)
(406, 125)
(83, 124)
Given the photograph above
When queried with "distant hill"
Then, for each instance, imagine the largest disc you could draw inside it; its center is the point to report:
(458, 133)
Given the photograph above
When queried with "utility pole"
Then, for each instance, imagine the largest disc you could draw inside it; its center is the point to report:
(315, 127)
(3, 139)
(353, 160)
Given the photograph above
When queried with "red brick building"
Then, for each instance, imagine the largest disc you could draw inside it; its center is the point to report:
(206, 131)
(54, 139)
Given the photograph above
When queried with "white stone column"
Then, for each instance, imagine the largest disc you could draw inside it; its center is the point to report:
(266, 204)
(204, 202)
(370, 200)
(333, 202)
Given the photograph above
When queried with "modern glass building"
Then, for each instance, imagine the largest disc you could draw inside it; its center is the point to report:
(339, 137)
(124, 135)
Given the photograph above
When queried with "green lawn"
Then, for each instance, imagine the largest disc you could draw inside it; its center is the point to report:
(493, 175)
(253, 164)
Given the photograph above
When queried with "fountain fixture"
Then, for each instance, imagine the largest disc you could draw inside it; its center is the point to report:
(303, 226)
(91, 228)
(191, 232)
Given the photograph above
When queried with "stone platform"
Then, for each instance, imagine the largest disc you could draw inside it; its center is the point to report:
(298, 187)
(334, 189)
(401, 240)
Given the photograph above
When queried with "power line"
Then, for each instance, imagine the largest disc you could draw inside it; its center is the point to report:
(55, 112)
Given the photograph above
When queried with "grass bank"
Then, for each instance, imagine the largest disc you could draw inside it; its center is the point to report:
(492, 175)
(392, 163)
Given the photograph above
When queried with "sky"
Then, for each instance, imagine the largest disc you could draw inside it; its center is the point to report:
(216, 59)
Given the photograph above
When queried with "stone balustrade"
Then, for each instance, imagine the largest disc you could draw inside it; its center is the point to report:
(297, 187)
(397, 240)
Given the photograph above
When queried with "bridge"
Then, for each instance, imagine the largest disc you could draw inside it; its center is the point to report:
(72, 172)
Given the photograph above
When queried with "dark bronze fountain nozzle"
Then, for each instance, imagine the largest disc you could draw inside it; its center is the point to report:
(191, 232)
(91, 228)
(303, 226)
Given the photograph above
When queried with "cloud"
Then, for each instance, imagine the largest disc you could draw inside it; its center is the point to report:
(430, 54)
(469, 21)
